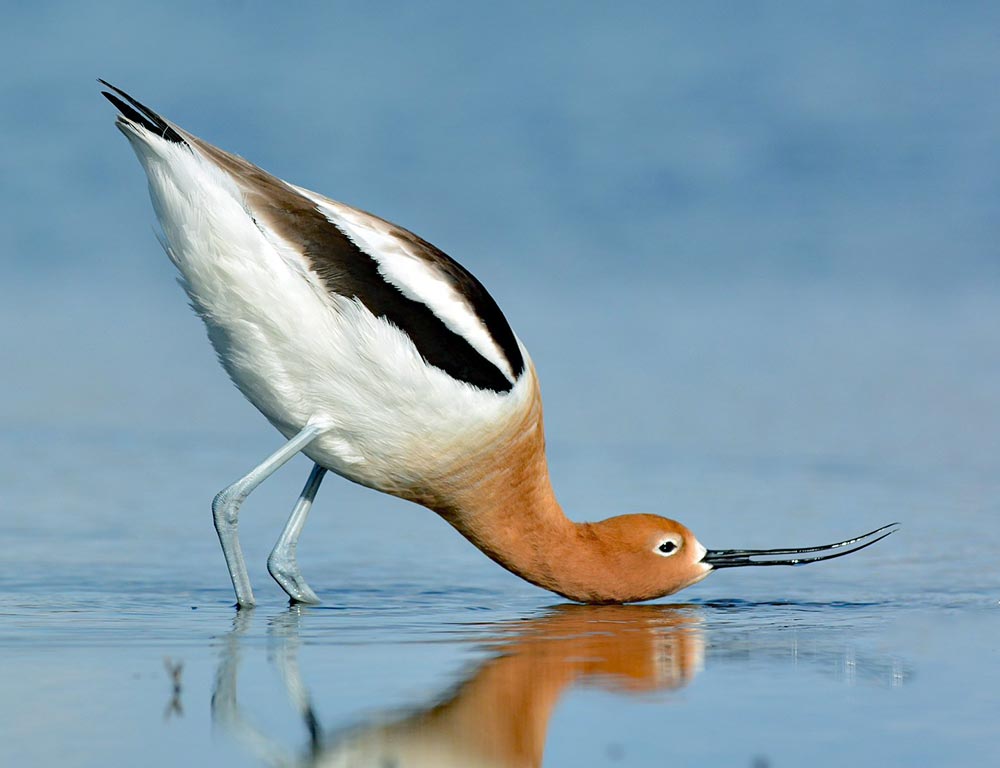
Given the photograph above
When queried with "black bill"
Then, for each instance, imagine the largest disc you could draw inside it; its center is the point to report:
(734, 558)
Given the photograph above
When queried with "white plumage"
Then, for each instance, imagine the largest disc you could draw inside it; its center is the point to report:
(304, 355)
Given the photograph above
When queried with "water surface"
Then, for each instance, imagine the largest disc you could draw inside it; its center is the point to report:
(752, 249)
(424, 653)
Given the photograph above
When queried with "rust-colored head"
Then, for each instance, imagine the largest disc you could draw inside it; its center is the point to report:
(633, 558)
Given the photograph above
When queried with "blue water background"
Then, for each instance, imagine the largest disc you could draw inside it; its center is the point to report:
(753, 250)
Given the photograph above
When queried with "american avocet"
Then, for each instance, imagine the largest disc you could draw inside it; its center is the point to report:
(385, 361)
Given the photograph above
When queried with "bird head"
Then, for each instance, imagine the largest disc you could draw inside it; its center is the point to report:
(644, 557)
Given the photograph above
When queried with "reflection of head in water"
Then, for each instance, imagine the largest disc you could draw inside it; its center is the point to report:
(619, 647)
(498, 716)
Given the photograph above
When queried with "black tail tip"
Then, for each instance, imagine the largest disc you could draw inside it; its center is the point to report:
(138, 113)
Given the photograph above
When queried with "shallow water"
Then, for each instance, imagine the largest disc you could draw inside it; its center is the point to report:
(424, 653)
(868, 408)
(753, 252)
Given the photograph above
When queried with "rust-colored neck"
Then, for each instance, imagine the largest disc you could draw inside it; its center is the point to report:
(500, 498)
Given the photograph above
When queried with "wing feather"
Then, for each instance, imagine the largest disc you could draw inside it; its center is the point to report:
(444, 310)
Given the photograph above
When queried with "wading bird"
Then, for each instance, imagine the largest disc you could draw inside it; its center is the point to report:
(385, 361)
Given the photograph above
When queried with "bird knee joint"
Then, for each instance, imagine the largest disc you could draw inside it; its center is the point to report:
(225, 508)
(281, 564)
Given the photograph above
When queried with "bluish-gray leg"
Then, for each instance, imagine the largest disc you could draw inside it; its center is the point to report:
(226, 510)
(282, 563)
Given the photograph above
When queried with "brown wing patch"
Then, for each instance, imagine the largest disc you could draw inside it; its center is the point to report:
(347, 270)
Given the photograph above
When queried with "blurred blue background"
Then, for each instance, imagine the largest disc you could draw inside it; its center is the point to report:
(753, 248)
(654, 193)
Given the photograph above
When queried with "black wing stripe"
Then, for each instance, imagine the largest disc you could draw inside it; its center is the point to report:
(437, 344)
(467, 286)
(348, 271)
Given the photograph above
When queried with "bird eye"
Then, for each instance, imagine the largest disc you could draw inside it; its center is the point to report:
(667, 547)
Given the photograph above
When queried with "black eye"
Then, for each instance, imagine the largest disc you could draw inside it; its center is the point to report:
(667, 547)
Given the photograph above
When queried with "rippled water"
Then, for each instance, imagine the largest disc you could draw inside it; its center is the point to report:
(424, 653)
(752, 249)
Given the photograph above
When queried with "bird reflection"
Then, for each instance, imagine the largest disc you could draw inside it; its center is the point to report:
(499, 715)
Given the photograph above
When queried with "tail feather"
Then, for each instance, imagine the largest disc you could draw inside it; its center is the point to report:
(139, 113)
